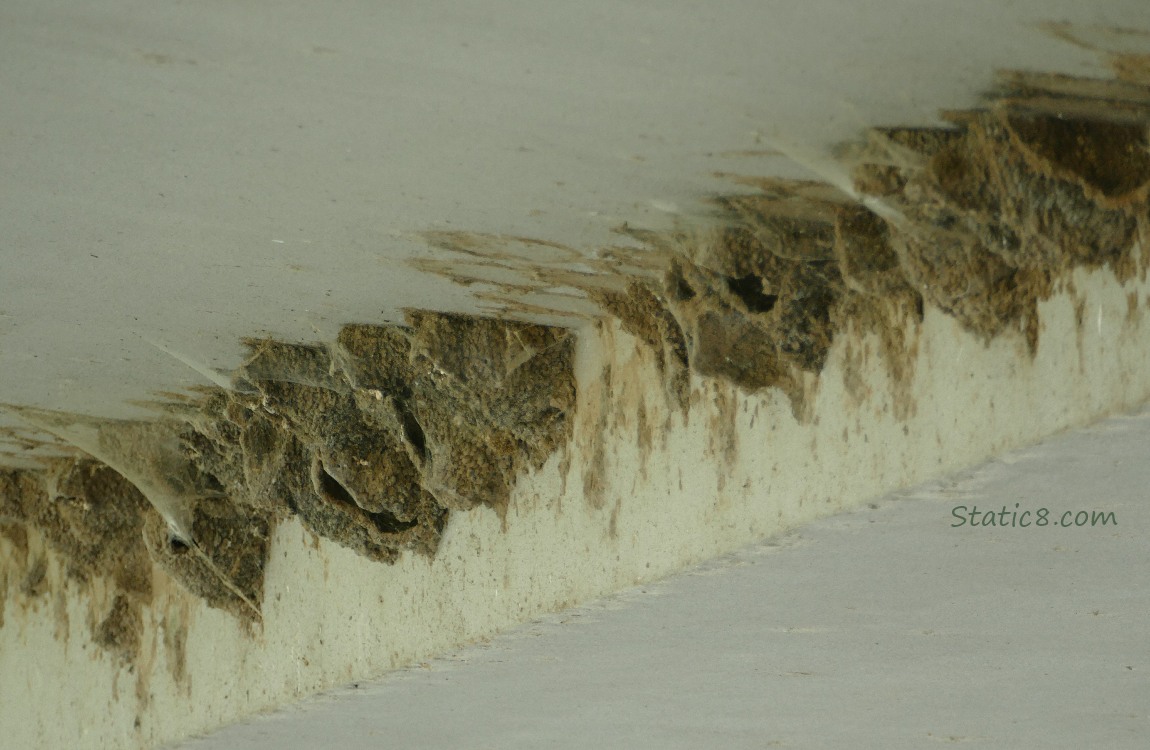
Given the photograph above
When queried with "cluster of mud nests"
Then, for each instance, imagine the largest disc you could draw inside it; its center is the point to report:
(370, 441)
(980, 220)
(373, 439)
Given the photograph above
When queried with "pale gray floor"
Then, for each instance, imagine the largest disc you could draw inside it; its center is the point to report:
(884, 628)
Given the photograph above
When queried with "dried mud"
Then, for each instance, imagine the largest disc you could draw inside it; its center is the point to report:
(981, 220)
(93, 519)
(369, 441)
(373, 439)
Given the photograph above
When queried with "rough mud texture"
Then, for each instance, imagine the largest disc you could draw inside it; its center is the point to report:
(987, 217)
(93, 519)
(369, 441)
(372, 440)
(758, 300)
(982, 220)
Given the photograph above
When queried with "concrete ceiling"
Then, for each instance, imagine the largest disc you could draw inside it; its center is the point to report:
(186, 174)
